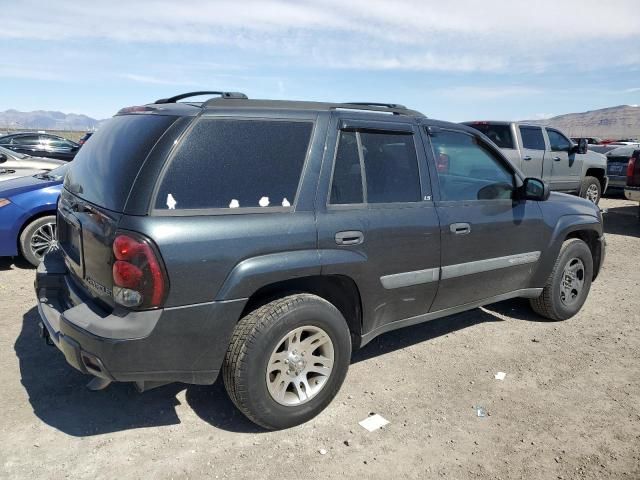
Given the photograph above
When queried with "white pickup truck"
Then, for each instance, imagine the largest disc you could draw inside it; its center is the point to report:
(547, 153)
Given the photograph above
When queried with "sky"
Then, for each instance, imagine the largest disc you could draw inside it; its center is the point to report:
(455, 60)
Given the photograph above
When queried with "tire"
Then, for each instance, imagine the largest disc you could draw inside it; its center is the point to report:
(39, 232)
(591, 189)
(248, 369)
(556, 303)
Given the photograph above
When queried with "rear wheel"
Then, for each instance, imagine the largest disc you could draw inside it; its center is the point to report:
(568, 285)
(287, 360)
(591, 189)
(38, 238)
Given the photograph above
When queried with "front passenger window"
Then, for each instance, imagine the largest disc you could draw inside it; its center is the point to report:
(468, 170)
(558, 142)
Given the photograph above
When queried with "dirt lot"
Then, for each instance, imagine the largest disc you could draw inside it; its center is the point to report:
(568, 408)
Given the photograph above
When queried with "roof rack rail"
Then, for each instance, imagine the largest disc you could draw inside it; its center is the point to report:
(394, 108)
(176, 98)
(376, 104)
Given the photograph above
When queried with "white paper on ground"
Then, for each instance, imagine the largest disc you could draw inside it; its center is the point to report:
(500, 375)
(374, 422)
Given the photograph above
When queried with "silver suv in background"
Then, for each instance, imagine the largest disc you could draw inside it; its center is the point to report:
(14, 164)
(547, 153)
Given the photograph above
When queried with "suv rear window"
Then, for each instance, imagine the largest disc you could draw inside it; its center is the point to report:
(497, 133)
(224, 163)
(104, 169)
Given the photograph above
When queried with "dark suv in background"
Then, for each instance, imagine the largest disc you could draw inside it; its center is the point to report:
(268, 239)
(40, 145)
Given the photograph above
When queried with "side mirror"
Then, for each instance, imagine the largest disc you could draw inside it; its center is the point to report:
(535, 189)
(581, 147)
(3, 158)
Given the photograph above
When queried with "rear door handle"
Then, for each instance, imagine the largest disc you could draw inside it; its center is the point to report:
(557, 159)
(526, 157)
(349, 237)
(460, 228)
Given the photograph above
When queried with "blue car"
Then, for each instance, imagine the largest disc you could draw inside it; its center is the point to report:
(28, 214)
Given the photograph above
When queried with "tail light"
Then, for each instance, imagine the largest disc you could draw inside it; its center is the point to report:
(633, 169)
(139, 279)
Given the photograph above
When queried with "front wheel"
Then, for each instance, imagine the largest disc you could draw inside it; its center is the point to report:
(591, 189)
(38, 238)
(568, 285)
(287, 360)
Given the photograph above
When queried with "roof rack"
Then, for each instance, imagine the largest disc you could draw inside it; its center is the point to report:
(394, 108)
(176, 98)
(376, 104)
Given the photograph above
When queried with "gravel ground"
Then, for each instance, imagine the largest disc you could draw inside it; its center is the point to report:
(569, 406)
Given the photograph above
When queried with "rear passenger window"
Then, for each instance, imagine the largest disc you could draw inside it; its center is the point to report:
(236, 164)
(532, 138)
(390, 168)
(347, 174)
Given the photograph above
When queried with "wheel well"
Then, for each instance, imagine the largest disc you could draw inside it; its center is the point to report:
(38, 215)
(339, 290)
(591, 238)
(599, 174)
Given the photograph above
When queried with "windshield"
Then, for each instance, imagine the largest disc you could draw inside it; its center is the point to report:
(11, 153)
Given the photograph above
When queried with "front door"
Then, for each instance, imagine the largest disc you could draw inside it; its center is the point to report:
(376, 220)
(490, 243)
(566, 165)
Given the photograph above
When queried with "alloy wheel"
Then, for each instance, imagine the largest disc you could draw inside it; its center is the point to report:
(572, 282)
(44, 240)
(300, 365)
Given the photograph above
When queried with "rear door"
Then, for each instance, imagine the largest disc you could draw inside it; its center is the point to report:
(566, 166)
(533, 151)
(376, 214)
(490, 243)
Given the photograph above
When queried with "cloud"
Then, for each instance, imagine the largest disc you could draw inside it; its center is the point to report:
(413, 35)
(154, 80)
(489, 93)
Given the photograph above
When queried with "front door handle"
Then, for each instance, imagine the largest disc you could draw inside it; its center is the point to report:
(460, 228)
(526, 158)
(556, 159)
(349, 237)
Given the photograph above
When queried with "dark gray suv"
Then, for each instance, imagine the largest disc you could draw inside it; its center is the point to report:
(268, 239)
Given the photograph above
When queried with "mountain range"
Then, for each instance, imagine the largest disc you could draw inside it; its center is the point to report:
(618, 122)
(622, 121)
(46, 120)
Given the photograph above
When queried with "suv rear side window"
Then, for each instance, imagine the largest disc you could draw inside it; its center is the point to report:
(224, 163)
(532, 138)
(390, 166)
(497, 133)
(104, 170)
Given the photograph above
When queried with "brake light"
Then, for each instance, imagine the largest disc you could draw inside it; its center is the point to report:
(139, 280)
(633, 169)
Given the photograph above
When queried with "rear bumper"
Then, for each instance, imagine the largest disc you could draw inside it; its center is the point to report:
(632, 193)
(185, 344)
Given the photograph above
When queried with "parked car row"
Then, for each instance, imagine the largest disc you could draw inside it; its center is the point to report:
(265, 240)
(41, 145)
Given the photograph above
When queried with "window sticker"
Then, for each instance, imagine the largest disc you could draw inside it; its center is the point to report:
(234, 203)
(171, 202)
(285, 202)
(264, 202)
